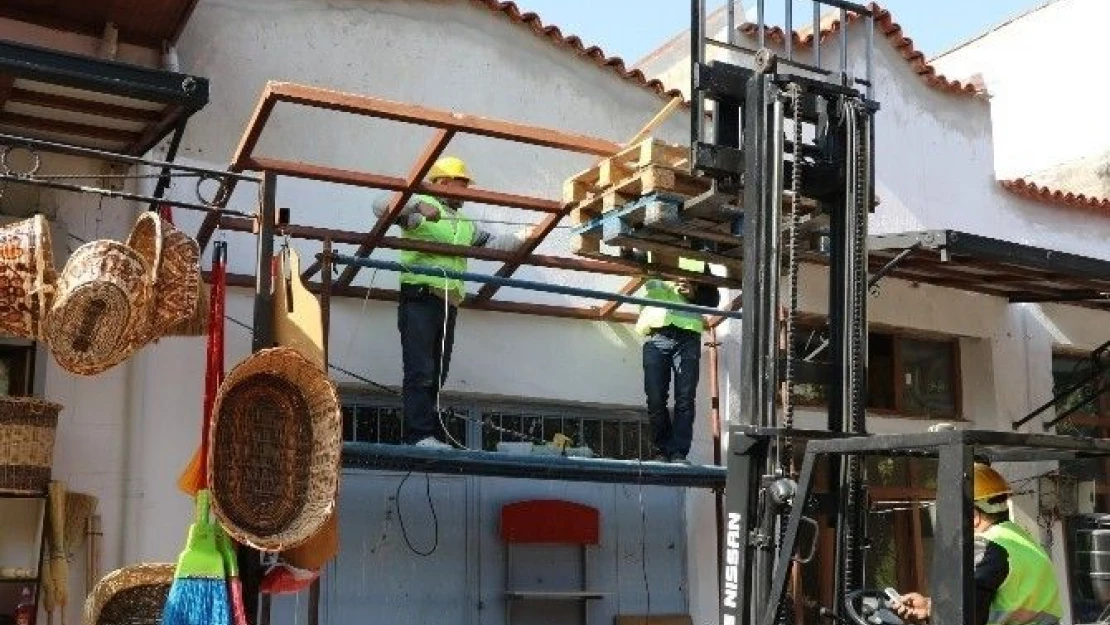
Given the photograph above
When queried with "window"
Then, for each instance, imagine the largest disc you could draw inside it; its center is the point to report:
(1089, 419)
(16, 369)
(906, 375)
(623, 437)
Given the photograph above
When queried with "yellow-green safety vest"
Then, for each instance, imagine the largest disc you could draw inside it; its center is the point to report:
(451, 228)
(665, 291)
(1029, 594)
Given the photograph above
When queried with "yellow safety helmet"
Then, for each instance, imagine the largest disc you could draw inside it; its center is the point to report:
(989, 484)
(449, 167)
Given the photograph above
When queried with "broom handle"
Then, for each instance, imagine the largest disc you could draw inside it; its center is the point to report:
(214, 371)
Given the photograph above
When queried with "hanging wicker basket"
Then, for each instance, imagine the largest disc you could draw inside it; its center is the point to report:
(27, 277)
(274, 450)
(133, 595)
(27, 427)
(102, 303)
(174, 261)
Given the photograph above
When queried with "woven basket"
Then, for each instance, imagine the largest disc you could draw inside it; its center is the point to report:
(133, 595)
(174, 261)
(27, 277)
(274, 450)
(27, 426)
(102, 303)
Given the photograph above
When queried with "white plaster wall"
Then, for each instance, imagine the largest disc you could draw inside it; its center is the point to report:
(1031, 132)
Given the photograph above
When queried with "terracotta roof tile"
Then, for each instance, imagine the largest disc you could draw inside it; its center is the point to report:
(1056, 197)
(891, 31)
(591, 54)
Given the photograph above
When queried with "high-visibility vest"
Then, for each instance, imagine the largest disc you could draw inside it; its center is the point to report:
(1029, 594)
(451, 228)
(652, 317)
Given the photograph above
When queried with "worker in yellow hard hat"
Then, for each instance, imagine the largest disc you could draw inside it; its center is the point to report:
(1015, 583)
(428, 304)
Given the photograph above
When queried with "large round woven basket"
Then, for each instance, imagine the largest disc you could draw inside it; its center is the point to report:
(174, 260)
(133, 595)
(274, 450)
(27, 277)
(27, 427)
(102, 303)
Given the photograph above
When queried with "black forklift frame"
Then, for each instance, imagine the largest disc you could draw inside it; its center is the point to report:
(953, 594)
(746, 155)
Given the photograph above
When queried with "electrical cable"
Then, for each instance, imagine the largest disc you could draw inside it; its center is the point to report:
(431, 505)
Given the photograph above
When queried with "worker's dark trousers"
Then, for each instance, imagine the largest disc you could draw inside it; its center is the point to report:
(668, 351)
(426, 355)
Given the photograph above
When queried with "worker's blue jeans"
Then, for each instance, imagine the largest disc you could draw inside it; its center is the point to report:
(426, 356)
(668, 351)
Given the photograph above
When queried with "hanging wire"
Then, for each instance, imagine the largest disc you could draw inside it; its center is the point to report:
(431, 505)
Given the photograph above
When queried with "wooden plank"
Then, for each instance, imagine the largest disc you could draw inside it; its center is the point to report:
(31, 122)
(417, 173)
(622, 164)
(459, 122)
(393, 183)
(7, 84)
(78, 105)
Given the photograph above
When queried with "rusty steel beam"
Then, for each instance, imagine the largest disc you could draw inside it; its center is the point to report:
(616, 267)
(414, 114)
(393, 183)
(388, 295)
(255, 126)
(715, 321)
(423, 164)
(539, 233)
(630, 287)
(311, 233)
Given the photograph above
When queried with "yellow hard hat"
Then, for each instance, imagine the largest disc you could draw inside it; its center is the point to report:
(449, 167)
(989, 483)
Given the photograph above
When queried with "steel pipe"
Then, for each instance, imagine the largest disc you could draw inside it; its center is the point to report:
(530, 285)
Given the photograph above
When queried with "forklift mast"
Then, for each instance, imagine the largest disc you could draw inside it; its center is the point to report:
(790, 150)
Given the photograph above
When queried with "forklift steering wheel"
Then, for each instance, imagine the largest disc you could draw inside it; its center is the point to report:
(876, 612)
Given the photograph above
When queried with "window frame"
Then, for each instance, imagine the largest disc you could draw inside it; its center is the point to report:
(897, 335)
(478, 408)
(24, 354)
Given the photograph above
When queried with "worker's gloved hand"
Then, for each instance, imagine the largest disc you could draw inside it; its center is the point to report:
(913, 607)
(429, 212)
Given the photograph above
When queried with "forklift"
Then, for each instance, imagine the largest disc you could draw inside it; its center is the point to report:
(790, 151)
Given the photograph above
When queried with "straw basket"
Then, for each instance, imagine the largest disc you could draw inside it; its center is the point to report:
(102, 304)
(174, 261)
(27, 426)
(274, 450)
(133, 595)
(27, 277)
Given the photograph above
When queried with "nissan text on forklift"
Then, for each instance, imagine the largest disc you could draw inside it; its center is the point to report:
(790, 150)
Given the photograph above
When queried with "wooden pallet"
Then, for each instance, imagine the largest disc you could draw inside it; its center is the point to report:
(624, 164)
(655, 223)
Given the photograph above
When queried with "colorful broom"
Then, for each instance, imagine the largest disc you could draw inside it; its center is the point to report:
(234, 584)
(195, 475)
(198, 595)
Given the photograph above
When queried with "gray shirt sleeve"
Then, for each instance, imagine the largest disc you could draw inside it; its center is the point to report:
(408, 219)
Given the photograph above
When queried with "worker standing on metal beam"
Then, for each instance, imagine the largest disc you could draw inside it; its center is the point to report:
(1015, 583)
(428, 304)
(673, 348)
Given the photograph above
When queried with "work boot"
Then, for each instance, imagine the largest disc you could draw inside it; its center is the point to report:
(680, 459)
(431, 442)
